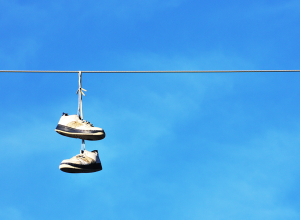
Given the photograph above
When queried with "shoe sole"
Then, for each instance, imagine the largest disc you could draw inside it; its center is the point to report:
(70, 169)
(84, 136)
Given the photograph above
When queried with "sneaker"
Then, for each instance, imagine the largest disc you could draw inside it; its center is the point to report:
(73, 126)
(85, 162)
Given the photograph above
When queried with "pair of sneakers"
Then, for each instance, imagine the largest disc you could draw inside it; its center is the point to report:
(74, 127)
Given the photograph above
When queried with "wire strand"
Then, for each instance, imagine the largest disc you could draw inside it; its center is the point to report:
(155, 71)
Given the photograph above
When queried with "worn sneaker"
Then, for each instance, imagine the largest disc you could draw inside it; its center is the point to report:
(85, 162)
(73, 126)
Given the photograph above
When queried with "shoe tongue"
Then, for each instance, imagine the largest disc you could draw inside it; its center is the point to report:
(90, 154)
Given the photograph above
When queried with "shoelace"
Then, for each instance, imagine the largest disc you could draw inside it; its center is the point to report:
(82, 158)
(80, 93)
(80, 155)
(87, 123)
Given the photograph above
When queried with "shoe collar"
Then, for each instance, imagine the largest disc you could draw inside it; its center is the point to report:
(92, 154)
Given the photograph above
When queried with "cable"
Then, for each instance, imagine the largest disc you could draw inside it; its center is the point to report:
(163, 71)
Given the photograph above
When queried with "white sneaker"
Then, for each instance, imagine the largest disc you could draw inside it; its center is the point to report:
(73, 126)
(85, 162)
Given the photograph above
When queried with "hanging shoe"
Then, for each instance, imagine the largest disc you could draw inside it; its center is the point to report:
(85, 162)
(74, 127)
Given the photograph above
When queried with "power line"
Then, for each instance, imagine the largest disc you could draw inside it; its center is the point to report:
(155, 71)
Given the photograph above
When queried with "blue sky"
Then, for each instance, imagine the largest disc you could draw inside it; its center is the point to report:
(178, 146)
